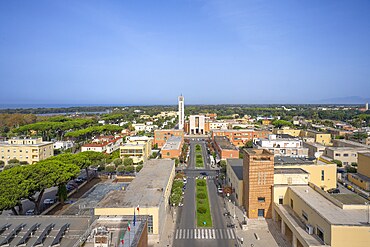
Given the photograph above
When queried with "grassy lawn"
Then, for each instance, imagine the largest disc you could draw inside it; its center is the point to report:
(202, 202)
(198, 156)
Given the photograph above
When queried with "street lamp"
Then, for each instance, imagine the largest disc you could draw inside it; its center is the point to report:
(367, 213)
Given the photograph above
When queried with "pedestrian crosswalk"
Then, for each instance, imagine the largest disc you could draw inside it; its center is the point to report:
(208, 177)
(201, 233)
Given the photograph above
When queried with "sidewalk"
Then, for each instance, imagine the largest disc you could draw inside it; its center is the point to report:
(267, 232)
(166, 238)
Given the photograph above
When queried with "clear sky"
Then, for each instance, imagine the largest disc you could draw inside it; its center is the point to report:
(148, 52)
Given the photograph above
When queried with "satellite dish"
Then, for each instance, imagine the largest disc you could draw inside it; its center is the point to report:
(317, 155)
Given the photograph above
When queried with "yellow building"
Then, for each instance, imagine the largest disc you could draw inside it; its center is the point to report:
(26, 150)
(308, 216)
(292, 132)
(319, 137)
(234, 178)
(136, 151)
(150, 191)
(362, 177)
(322, 172)
(148, 141)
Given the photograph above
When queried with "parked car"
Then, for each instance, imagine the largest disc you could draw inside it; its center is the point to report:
(204, 174)
(220, 190)
(184, 180)
(49, 201)
(30, 212)
(334, 191)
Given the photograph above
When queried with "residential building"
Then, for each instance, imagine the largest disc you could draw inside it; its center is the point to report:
(348, 143)
(139, 127)
(150, 189)
(173, 147)
(30, 150)
(225, 148)
(63, 144)
(319, 137)
(240, 137)
(314, 148)
(234, 179)
(103, 144)
(322, 173)
(287, 131)
(308, 216)
(258, 175)
(282, 145)
(362, 177)
(139, 148)
(218, 125)
(148, 141)
(181, 102)
(347, 155)
(161, 136)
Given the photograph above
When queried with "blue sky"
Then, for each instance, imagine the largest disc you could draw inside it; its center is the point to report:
(148, 52)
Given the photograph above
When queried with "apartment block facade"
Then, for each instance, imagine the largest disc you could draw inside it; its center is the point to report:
(27, 150)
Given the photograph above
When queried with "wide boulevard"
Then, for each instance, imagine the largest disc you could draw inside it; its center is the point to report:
(187, 233)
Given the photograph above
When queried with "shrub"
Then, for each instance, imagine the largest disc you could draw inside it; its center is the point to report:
(139, 167)
(178, 184)
(117, 162)
(201, 183)
(13, 161)
(128, 162)
(200, 201)
(175, 199)
(129, 168)
(202, 210)
(23, 163)
(110, 168)
(120, 168)
(177, 190)
(338, 162)
(201, 196)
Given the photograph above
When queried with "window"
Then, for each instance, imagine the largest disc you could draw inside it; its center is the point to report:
(150, 224)
(261, 199)
(337, 155)
(345, 155)
(261, 213)
(291, 203)
(320, 233)
(322, 175)
(281, 200)
(304, 215)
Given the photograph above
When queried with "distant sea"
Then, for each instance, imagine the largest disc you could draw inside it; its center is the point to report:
(33, 106)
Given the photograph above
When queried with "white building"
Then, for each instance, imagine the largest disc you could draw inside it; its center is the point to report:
(63, 144)
(282, 145)
(218, 125)
(139, 127)
(197, 124)
(103, 144)
(181, 112)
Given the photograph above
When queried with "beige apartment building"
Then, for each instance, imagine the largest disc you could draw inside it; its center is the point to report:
(362, 177)
(29, 150)
(308, 216)
(319, 137)
(347, 155)
(322, 173)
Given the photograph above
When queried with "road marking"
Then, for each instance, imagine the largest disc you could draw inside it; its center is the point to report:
(188, 233)
(221, 235)
(180, 234)
(177, 234)
(191, 233)
(213, 233)
(232, 234)
(206, 233)
(228, 233)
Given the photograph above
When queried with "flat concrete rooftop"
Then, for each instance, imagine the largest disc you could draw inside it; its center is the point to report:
(224, 143)
(173, 143)
(289, 171)
(146, 190)
(288, 160)
(332, 213)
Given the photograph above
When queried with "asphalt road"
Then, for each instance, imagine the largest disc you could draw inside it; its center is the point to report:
(187, 234)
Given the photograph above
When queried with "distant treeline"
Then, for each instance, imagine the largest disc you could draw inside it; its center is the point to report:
(57, 110)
